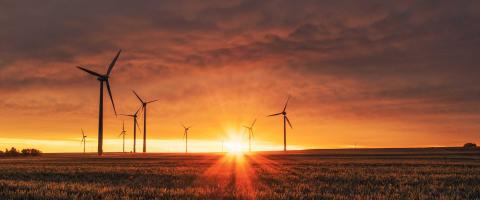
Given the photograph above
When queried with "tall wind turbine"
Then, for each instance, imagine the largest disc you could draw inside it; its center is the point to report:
(144, 106)
(185, 134)
(83, 140)
(103, 79)
(250, 135)
(285, 120)
(135, 123)
(123, 134)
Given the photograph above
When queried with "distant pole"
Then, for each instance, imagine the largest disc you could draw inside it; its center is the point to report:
(186, 142)
(100, 121)
(123, 142)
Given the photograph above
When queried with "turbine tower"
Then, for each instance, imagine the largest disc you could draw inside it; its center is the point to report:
(185, 134)
(144, 106)
(103, 79)
(285, 120)
(123, 134)
(135, 123)
(83, 140)
(250, 135)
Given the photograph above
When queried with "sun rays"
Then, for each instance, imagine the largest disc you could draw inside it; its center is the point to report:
(235, 174)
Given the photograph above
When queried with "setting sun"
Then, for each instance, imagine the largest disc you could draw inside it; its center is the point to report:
(234, 147)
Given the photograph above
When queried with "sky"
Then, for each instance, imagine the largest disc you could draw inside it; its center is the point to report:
(365, 74)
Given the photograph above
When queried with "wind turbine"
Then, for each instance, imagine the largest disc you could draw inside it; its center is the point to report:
(250, 135)
(103, 78)
(186, 136)
(135, 123)
(123, 134)
(83, 140)
(144, 106)
(285, 120)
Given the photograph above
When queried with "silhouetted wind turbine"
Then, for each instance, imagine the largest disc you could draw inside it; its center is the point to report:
(103, 78)
(135, 123)
(186, 136)
(285, 119)
(250, 135)
(144, 106)
(123, 134)
(83, 140)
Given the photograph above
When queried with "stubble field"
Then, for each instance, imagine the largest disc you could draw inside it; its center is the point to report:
(318, 174)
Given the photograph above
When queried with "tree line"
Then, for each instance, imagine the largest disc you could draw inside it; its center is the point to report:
(13, 152)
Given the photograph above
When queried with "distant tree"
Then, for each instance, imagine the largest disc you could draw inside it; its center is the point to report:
(470, 145)
(35, 152)
(31, 152)
(12, 152)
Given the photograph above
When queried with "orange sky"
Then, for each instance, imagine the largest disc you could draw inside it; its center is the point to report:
(374, 74)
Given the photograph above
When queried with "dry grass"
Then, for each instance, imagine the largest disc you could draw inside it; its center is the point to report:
(304, 175)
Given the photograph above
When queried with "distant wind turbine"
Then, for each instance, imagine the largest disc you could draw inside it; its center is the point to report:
(250, 135)
(144, 106)
(135, 123)
(123, 134)
(103, 78)
(83, 140)
(185, 134)
(285, 120)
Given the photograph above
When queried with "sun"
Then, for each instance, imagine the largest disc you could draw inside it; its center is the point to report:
(234, 141)
(234, 147)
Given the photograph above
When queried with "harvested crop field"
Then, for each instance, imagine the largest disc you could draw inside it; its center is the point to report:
(316, 174)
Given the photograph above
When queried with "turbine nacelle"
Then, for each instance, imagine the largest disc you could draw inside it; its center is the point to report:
(103, 78)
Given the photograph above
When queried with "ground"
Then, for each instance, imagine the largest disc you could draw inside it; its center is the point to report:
(316, 174)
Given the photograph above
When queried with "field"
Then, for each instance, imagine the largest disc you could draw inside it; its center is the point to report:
(316, 174)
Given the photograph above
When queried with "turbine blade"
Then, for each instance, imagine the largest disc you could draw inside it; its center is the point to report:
(140, 113)
(184, 126)
(83, 133)
(274, 114)
(89, 71)
(138, 110)
(153, 101)
(113, 63)
(288, 122)
(253, 122)
(111, 97)
(126, 115)
(285, 108)
(137, 96)
(138, 126)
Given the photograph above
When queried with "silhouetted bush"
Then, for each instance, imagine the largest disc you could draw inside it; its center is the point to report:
(470, 145)
(31, 152)
(13, 152)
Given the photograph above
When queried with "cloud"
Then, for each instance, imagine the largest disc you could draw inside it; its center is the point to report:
(353, 60)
